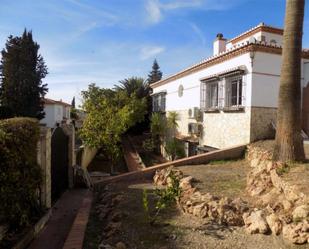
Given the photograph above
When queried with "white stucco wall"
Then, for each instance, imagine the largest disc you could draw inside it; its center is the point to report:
(49, 118)
(257, 36)
(53, 115)
(191, 84)
(266, 79)
(305, 72)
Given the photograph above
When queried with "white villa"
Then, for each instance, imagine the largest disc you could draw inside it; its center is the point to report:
(56, 113)
(230, 98)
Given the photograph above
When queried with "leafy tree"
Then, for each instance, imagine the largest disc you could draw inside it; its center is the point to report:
(109, 115)
(157, 126)
(289, 145)
(157, 129)
(155, 74)
(22, 70)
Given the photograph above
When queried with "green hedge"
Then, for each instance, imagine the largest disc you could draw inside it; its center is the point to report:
(20, 175)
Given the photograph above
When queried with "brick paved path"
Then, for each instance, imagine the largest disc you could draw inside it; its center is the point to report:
(58, 227)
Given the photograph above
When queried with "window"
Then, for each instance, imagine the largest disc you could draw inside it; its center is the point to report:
(158, 102)
(234, 91)
(212, 94)
(209, 95)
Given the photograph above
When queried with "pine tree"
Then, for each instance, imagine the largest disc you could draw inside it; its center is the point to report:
(155, 75)
(22, 70)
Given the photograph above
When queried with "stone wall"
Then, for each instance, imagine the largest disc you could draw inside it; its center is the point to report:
(44, 160)
(260, 123)
(225, 129)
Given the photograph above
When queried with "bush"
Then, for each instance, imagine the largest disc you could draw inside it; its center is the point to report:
(175, 149)
(20, 175)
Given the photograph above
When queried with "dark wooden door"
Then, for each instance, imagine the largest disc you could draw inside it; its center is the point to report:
(59, 163)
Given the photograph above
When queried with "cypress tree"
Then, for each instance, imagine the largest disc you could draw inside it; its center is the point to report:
(22, 70)
(155, 74)
(73, 102)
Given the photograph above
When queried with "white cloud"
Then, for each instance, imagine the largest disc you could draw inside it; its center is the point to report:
(150, 52)
(156, 8)
(198, 32)
(154, 11)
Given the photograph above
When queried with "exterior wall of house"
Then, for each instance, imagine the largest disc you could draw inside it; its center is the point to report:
(268, 38)
(54, 113)
(217, 126)
(50, 113)
(261, 120)
(225, 129)
(191, 84)
(305, 97)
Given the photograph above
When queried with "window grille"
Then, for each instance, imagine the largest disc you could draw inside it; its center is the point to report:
(209, 95)
(159, 102)
(234, 91)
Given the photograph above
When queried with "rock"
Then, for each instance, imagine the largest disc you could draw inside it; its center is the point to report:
(186, 183)
(121, 245)
(296, 233)
(105, 246)
(240, 205)
(274, 223)
(200, 210)
(255, 222)
(301, 212)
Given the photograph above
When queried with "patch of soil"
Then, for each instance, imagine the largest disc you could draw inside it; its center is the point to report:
(175, 229)
(221, 178)
(298, 175)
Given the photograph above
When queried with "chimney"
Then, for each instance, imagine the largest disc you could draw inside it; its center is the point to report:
(219, 44)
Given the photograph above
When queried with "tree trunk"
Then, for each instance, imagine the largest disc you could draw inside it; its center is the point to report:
(289, 143)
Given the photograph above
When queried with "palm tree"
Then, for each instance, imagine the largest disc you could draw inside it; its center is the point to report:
(289, 144)
(134, 85)
(172, 122)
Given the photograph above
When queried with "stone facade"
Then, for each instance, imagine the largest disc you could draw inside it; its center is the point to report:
(226, 129)
(260, 124)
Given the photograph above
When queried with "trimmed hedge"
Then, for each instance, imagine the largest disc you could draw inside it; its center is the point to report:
(20, 175)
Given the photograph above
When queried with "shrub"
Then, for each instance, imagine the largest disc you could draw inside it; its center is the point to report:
(165, 198)
(175, 149)
(20, 175)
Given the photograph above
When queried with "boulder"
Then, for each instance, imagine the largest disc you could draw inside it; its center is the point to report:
(200, 210)
(186, 183)
(296, 233)
(255, 222)
(301, 212)
(274, 223)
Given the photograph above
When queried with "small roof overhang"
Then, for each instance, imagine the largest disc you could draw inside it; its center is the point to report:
(230, 72)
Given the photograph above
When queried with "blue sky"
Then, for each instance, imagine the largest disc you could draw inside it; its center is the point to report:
(104, 41)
